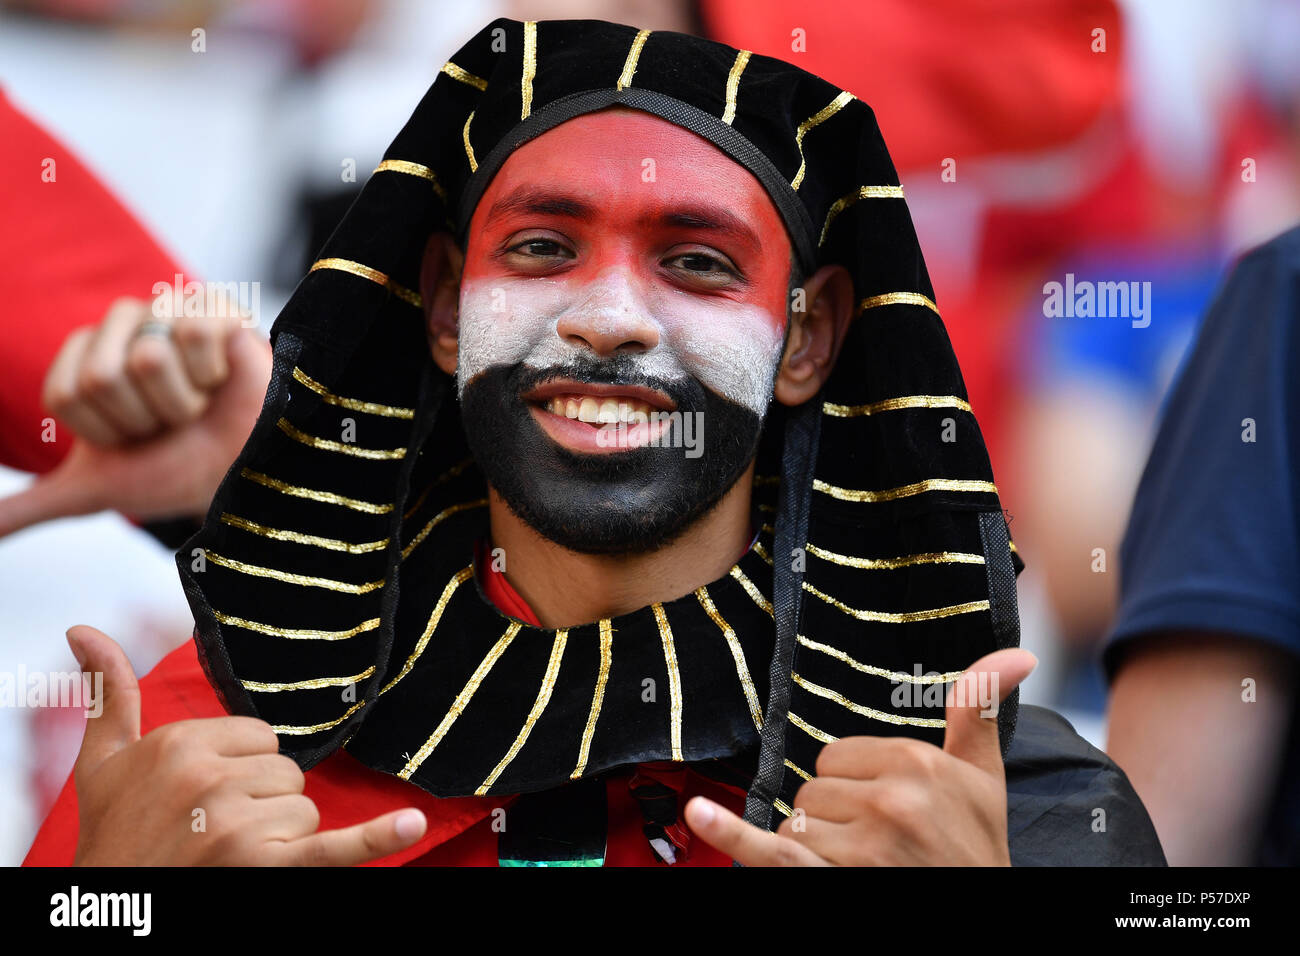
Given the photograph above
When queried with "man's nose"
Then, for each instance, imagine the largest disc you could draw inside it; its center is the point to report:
(609, 319)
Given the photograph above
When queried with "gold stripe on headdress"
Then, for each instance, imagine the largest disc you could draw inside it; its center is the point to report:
(530, 67)
(797, 769)
(916, 488)
(810, 730)
(413, 169)
(365, 272)
(896, 676)
(897, 298)
(629, 66)
(862, 192)
(352, 404)
(821, 116)
(295, 632)
(301, 579)
(674, 681)
(457, 579)
(465, 76)
(751, 589)
(298, 730)
(737, 654)
(894, 404)
(891, 564)
(733, 85)
(868, 712)
(343, 448)
(469, 150)
(278, 534)
(312, 494)
(315, 683)
(898, 617)
(597, 698)
(539, 705)
(882, 564)
(462, 701)
(438, 519)
(781, 805)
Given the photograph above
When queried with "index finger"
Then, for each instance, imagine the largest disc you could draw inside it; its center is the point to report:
(225, 736)
(744, 842)
(350, 846)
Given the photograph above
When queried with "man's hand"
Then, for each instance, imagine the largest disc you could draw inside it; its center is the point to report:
(158, 418)
(142, 800)
(895, 801)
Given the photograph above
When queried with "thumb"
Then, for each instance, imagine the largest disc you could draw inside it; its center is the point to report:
(114, 719)
(238, 401)
(249, 355)
(973, 702)
(63, 492)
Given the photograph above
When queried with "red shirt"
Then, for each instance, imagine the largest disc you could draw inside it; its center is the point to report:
(68, 250)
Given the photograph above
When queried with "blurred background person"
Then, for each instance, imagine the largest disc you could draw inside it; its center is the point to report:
(1204, 654)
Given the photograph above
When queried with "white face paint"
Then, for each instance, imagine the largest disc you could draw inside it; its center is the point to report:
(732, 349)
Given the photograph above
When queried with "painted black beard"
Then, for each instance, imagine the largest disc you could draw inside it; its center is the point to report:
(631, 501)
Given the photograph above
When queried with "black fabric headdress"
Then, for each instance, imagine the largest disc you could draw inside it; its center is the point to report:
(334, 594)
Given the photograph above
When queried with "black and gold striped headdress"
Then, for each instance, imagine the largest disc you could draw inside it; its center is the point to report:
(334, 592)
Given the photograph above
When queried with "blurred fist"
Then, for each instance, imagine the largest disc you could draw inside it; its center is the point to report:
(160, 409)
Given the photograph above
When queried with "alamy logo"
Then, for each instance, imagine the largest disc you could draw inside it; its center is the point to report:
(75, 908)
(239, 300)
(1086, 299)
(21, 688)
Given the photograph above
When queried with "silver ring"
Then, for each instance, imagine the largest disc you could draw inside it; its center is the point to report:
(154, 327)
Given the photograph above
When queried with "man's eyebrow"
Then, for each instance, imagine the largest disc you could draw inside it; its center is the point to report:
(711, 219)
(544, 202)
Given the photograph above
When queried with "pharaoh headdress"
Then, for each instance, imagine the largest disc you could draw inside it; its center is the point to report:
(333, 593)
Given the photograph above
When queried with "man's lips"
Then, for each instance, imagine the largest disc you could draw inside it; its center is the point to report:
(575, 414)
(598, 403)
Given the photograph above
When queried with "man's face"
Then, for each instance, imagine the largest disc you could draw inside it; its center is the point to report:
(621, 320)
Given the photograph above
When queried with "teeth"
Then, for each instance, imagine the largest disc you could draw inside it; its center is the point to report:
(605, 411)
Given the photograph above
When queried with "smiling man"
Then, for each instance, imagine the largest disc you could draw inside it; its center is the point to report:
(624, 338)
(658, 539)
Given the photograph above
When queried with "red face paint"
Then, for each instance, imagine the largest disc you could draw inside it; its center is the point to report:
(620, 232)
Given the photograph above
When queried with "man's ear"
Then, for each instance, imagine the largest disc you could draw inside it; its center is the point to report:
(440, 291)
(816, 334)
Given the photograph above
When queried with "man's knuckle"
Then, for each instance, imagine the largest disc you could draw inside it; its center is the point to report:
(786, 853)
(256, 733)
(905, 807)
(197, 776)
(97, 380)
(58, 398)
(147, 357)
(193, 331)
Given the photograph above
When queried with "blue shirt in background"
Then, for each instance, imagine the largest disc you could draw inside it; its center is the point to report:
(1213, 542)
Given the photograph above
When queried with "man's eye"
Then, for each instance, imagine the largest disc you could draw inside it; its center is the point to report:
(541, 248)
(701, 264)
